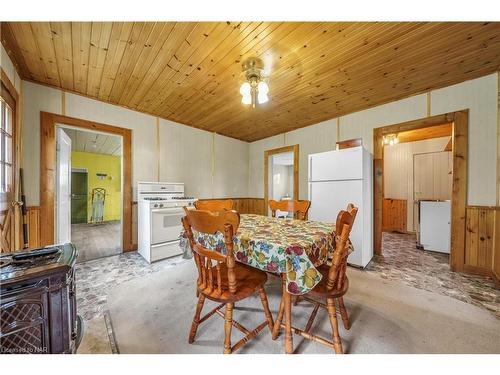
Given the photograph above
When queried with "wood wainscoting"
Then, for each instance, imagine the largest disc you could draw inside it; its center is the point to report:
(394, 215)
(250, 206)
(33, 222)
(482, 241)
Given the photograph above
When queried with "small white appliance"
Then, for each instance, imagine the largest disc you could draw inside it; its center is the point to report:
(160, 210)
(337, 178)
(434, 229)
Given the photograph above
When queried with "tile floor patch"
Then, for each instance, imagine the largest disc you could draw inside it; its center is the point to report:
(427, 270)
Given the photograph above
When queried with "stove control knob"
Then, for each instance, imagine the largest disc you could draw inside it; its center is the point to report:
(161, 204)
(156, 205)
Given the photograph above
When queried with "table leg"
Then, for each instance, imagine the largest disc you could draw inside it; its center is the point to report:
(287, 298)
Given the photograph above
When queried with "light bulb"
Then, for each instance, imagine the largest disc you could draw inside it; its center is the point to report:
(391, 142)
(263, 88)
(262, 98)
(396, 140)
(246, 99)
(245, 89)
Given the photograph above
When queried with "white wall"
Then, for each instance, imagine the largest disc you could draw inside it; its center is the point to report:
(479, 96)
(311, 139)
(8, 68)
(238, 167)
(398, 171)
(184, 154)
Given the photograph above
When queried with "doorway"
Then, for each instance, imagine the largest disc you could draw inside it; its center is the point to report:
(281, 175)
(93, 213)
(48, 181)
(416, 211)
(428, 127)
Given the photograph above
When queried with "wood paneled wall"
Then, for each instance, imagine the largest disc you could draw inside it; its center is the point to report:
(394, 215)
(249, 206)
(482, 240)
(33, 217)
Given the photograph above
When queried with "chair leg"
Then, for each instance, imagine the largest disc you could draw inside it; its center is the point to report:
(279, 319)
(196, 319)
(296, 300)
(281, 311)
(265, 305)
(343, 313)
(332, 314)
(228, 318)
(288, 323)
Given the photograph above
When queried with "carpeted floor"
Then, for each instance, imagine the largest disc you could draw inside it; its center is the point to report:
(153, 315)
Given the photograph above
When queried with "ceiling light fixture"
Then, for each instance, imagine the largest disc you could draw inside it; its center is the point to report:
(390, 139)
(255, 88)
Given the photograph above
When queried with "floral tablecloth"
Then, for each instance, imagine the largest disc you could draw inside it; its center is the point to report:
(293, 247)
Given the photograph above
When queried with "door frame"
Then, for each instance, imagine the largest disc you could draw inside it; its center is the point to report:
(460, 125)
(48, 166)
(280, 150)
(15, 232)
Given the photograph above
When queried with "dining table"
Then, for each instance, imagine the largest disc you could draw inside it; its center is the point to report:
(290, 248)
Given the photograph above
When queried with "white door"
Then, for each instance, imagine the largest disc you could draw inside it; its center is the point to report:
(63, 187)
(328, 198)
(432, 178)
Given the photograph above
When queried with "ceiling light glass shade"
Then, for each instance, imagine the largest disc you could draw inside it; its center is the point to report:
(246, 98)
(263, 88)
(396, 140)
(245, 89)
(262, 97)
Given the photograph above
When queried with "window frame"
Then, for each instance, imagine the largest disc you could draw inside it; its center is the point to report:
(10, 96)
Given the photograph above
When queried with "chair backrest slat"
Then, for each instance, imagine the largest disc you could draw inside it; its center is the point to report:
(209, 261)
(343, 227)
(214, 205)
(299, 208)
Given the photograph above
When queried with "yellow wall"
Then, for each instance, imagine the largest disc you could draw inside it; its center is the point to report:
(99, 163)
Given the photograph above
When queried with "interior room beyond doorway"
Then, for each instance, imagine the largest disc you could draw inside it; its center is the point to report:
(417, 188)
(96, 193)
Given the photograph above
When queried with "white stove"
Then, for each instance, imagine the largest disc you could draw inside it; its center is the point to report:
(160, 209)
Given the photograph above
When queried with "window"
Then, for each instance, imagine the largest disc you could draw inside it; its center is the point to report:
(6, 142)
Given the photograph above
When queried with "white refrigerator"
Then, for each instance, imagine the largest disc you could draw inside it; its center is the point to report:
(337, 178)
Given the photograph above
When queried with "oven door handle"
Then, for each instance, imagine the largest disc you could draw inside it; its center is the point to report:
(168, 212)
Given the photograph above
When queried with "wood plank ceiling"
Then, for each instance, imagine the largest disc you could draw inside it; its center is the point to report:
(94, 143)
(191, 72)
(421, 134)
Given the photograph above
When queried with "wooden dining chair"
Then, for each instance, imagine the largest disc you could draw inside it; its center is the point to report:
(221, 278)
(214, 204)
(298, 208)
(332, 287)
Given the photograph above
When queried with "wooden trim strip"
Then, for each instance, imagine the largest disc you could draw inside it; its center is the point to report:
(48, 166)
(158, 156)
(9, 85)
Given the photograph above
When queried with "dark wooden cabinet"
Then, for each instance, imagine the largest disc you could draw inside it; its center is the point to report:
(38, 305)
